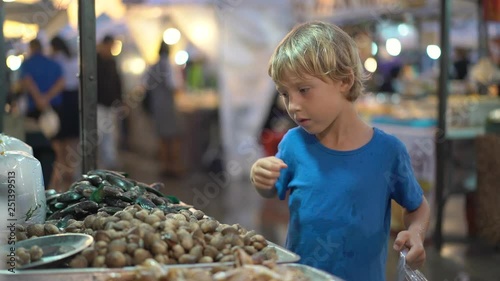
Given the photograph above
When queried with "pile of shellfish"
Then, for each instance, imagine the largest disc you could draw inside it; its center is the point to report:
(106, 191)
(132, 222)
(246, 269)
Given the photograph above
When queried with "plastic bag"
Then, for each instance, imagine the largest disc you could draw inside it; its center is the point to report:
(49, 123)
(22, 199)
(9, 143)
(405, 273)
(22, 193)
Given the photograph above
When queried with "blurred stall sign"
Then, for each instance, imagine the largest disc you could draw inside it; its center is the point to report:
(167, 2)
(491, 10)
(31, 12)
(352, 8)
(414, 3)
(15, 29)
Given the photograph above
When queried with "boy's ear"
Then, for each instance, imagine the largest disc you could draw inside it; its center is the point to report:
(347, 83)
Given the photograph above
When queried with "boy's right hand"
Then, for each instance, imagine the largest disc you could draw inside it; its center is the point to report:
(266, 171)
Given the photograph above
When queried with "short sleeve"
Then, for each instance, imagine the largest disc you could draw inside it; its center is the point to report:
(405, 189)
(284, 154)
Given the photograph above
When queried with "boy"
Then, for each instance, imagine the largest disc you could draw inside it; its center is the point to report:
(340, 173)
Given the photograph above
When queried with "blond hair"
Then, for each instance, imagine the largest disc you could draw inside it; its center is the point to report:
(320, 50)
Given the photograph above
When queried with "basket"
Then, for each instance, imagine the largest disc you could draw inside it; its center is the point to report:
(488, 188)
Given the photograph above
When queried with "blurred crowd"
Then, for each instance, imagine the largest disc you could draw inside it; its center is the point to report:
(46, 97)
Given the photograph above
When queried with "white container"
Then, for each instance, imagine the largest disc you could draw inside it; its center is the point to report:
(21, 175)
(13, 144)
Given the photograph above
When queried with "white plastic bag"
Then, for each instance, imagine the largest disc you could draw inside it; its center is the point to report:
(49, 123)
(405, 273)
(22, 199)
(22, 193)
(9, 143)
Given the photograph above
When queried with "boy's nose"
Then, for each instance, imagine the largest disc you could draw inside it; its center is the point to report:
(293, 105)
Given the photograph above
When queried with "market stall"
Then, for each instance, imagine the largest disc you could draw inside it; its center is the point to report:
(110, 226)
(110, 207)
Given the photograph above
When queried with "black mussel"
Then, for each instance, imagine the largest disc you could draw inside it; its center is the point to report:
(75, 185)
(141, 184)
(145, 203)
(81, 187)
(129, 196)
(121, 182)
(157, 200)
(95, 180)
(104, 173)
(78, 210)
(157, 185)
(97, 195)
(114, 202)
(60, 205)
(154, 191)
(50, 192)
(110, 210)
(63, 223)
(69, 196)
(111, 191)
(87, 192)
(104, 190)
(52, 198)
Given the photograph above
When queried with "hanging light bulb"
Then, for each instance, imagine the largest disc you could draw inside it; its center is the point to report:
(171, 36)
(433, 51)
(370, 65)
(393, 46)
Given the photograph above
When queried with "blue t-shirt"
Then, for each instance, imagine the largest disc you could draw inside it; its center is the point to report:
(340, 201)
(45, 72)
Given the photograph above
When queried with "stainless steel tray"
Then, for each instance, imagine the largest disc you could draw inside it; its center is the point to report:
(102, 274)
(93, 274)
(314, 274)
(284, 255)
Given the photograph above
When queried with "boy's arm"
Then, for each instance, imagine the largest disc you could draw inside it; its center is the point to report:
(265, 192)
(264, 175)
(413, 238)
(417, 221)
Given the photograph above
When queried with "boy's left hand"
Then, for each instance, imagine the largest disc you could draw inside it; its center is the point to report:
(416, 252)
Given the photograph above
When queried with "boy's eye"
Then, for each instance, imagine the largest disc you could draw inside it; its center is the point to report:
(284, 95)
(303, 90)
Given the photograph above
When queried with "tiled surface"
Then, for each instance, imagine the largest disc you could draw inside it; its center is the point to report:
(459, 260)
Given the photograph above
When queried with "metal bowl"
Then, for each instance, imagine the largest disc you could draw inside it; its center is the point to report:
(55, 247)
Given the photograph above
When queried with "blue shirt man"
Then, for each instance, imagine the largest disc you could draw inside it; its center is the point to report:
(41, 76)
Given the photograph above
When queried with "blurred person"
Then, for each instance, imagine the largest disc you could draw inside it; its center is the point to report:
(109, 98)
(161, 83)
(392, 83)
(42, 78)
(340, 173)
(461, 64)
(66, 141)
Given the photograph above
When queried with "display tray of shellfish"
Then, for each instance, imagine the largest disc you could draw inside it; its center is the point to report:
(108, 223)
(244, 268)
